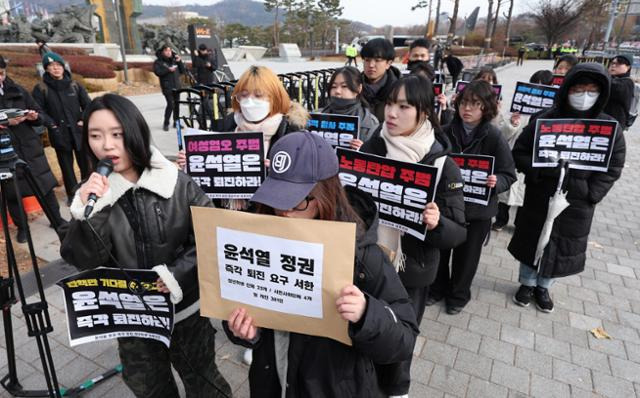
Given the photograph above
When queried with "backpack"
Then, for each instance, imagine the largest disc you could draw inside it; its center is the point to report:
(633, 107)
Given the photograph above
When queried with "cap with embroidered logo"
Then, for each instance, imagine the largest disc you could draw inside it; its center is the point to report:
(298, 162)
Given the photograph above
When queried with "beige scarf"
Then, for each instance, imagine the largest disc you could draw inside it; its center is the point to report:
(268, 127)
(411, 148)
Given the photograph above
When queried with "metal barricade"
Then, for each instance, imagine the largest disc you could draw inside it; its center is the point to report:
(187, 107)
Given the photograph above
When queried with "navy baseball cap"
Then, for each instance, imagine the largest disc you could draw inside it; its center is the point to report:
(298, 161)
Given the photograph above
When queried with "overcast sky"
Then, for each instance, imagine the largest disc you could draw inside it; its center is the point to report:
(386, 12)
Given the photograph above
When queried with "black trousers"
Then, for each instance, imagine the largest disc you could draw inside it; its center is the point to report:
(168, 110)
(350, 60)
(65, 160)
(455, 288)
(14, 211)
(147, 363)
(502, 218)
(520, 60)
(395, 379)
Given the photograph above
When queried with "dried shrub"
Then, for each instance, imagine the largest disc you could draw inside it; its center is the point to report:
(93, 70)
(148, 66)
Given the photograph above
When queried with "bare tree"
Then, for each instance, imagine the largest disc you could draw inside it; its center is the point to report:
(424, 4)
(508, 27)
(496, 16)
(555, 18)
(435, 28)
(454, 21)
(487, 32)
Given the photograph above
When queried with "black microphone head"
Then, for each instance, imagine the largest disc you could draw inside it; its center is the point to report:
(104, 167)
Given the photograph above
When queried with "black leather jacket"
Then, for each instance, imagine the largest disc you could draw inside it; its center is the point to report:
(160, 204)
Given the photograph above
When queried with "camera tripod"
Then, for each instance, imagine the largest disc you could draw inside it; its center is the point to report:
(36, 314)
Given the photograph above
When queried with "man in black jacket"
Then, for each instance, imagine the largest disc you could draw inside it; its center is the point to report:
(168, 66)
(583, 94)
(378, 76)
(455, 66)
(27, 145)
(622, 88)
(204, 64)
(62, 101)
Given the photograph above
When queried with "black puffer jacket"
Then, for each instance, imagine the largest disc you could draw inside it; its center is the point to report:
(423, 257)
(378, 99)
(202, 72)
(320, 367)
(566, 252)
(62, 102)
(26, 142)
(168, 80)
(620, 99)
(161, 201)
(487, 140)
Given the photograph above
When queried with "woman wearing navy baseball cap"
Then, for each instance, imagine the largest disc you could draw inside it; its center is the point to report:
(303, 182)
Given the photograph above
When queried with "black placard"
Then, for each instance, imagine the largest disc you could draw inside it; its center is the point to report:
(337, 130)
(586, 144)
(225, 165)
(475, 170)
(530, 98)
(438, 88)
(101, 304)
(401, 190)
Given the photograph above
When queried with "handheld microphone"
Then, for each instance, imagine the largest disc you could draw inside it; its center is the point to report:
(104, 168)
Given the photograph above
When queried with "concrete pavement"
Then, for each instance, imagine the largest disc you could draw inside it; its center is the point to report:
(493, 348)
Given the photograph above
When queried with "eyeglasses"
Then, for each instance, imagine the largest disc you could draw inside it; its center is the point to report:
(246, 94)
(470, 104)
(304, 205)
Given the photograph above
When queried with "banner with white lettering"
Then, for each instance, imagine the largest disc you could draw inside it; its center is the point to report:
(530, 98)
(225, 165)
(401, 190)
(102, 304)
(475, 170)
(586, 144)
(337, 130)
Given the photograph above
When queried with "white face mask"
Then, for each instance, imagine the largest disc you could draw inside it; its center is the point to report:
(254, 110)
(583, 101)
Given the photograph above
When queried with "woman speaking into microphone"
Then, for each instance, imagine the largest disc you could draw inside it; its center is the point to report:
(141, 218)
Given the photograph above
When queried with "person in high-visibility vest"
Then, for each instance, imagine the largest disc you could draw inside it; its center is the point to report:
(351, 52)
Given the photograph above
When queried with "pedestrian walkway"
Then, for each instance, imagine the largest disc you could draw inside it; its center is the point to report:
(493, 348)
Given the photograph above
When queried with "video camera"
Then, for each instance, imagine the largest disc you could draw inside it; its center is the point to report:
(6, 149)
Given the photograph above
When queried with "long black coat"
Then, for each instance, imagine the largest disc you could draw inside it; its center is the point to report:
(323, 368)
(26, 142)
(423, 256)
(202, 72)
(566, 252)
(62, 103)
(620, 100)
(487, 140)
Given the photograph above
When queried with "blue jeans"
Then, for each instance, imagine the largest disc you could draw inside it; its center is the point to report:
(529, 277)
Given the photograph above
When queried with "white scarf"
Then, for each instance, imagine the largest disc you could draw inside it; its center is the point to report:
(268, 127)
(411, 148)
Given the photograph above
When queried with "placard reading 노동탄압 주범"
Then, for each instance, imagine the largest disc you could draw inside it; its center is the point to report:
(336, 130)
(475, 170)
(287, 273)
(586, 144)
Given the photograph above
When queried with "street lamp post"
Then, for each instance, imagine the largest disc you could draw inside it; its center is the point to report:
(122, 47)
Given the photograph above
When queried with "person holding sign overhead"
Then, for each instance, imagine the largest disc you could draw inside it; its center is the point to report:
(473, 133)
(303, 182)
(142, 219)
(411, 133)
(583, 95)
(345, 98)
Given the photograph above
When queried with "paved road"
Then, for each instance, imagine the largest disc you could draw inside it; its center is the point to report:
(493, 348)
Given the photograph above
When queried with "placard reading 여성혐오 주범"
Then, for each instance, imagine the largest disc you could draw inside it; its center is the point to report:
(475, 169)
(103, 304)
(401, 190)
(337, 130)
(586, 144)
(225, 165)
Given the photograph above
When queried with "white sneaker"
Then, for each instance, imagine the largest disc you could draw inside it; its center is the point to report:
(247, 356)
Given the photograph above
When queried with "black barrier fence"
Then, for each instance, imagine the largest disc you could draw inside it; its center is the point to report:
(205, 106)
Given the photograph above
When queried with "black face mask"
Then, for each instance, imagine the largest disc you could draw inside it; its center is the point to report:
(343, 103)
